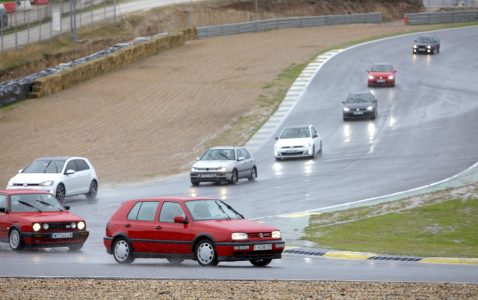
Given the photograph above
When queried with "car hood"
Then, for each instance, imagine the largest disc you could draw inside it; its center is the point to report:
(48, 217)
(35, 178)
(380, 74)
(293, 142)
(213, 163)
(357, 105)
(423, 44)
(239, 225)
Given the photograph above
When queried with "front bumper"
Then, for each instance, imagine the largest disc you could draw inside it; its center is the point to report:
(45, 239)
(50, 189)
(422, 50)
(297, 152)
(210, 176)
(359, 115)
(381, 82)
(238, 251)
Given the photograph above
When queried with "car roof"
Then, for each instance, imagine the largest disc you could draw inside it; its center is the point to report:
(360, 93)
(298, 126)
(225, 147)
(382, 64)
(57, 157)
(22, 192)
(178, 199)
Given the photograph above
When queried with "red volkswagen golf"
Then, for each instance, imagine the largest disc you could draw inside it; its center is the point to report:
(205, 230)
(30, 218)
(381, 75)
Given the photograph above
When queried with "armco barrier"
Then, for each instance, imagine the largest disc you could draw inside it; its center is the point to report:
(254, 26)
(441, 17)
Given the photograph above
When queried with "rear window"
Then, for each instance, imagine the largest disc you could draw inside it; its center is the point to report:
(143, 211)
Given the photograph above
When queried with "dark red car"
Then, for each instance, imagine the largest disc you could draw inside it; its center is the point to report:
(205, 230)
(381, 75)
(30, 218)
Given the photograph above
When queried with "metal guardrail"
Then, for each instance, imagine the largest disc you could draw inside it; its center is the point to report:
(441, 17)
(255, 26)
(449, 3)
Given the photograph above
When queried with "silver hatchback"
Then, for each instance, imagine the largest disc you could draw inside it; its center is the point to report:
(224, 164)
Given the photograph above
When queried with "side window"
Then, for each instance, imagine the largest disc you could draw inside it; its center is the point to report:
(133, 213)
(239, 153)
(147, 211)
(3, 201)
(314, 131)
(71, 166)
(169, 211)
(82, 165)
(246, 153)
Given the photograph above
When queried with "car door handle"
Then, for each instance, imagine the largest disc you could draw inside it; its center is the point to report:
(158, 227)
(127, 225)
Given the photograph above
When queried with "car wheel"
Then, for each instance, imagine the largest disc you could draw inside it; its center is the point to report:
(206, 254)
(75, 247)
(60, 192)
(194, 182)
(253, 174)
(313, 152)
(175, 261)
(93, 191)
(260, 262)
(122, 251)
(234, 177)
(320, 150)
(15, 239)
(278, 159)
(374, 116)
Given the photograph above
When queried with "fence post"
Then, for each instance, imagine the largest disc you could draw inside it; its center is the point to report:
(16, 31)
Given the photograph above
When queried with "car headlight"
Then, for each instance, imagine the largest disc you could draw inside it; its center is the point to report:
(36, 227)
(429, 46)
(370, 77)
(10, 183)
(276, 234)
(370, 107)
(390, 77)
(239, 236)
(222, 169)
(81, 225)
(415, 46)
(46, 226)
(193, 169)
(47, 183)
(346, 109)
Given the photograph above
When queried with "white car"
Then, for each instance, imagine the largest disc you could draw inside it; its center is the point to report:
(224, 164)
(298, 141)
(60, 176)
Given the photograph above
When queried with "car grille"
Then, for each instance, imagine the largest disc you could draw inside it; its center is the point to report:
(207, 169)
(291, 147)
(256, 235)
(59, 226)
(26, 184)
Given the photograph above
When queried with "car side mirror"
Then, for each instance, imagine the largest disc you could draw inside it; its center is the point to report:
(315, 136)
(415, 41)
(3, 210)
(67, 207)
(69, 172)
(276, 138)
(198, 158)
(21, 170)
(240, 158)
(343, 102)
(180, 219)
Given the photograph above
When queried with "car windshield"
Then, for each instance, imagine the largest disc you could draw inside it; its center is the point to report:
(219, 154)
(201, 210)
(358, 98)
(382, 68)
(295, 133)
(425, 39)
(45, 166)
(34, 203)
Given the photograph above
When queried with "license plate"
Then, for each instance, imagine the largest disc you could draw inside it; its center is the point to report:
(291, 151)
(357, 113)
(62, 235)
(207, 175)
(380, 81)
(262, 247)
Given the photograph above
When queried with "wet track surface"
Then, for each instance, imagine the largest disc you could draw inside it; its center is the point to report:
(426, 131)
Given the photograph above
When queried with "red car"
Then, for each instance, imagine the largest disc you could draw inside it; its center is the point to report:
(30, 218)
(381, 75)
(205, 230)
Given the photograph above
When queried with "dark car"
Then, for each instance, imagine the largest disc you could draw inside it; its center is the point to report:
(360, 105)
(381, 75)
(30, 218)
(426, 45)
(206, 230)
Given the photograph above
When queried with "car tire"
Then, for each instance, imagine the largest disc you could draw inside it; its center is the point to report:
(234, 177)
(93, 191)
(60, 192)
(122, 251)
(195, 182)
(205, 253)
(260, 262)
(313, 152)
(15, 239)
(278, 159)
(175, 260)
(345, 119)
(320, 150)
(76, 247)
(253, 174)
(374, 115)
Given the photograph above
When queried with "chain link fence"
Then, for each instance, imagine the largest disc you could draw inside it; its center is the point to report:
(35, 21)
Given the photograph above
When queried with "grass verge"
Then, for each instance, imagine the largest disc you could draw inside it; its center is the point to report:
(432, 225)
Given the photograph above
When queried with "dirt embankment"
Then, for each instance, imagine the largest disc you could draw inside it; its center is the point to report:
(21, 62)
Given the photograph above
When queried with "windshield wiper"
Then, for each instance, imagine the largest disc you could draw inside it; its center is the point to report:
(223, 211)
(29, 205)
(48, 204)
(232, 209)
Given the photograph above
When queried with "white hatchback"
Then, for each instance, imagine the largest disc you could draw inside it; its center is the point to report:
(298, 141)
(60, 176)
